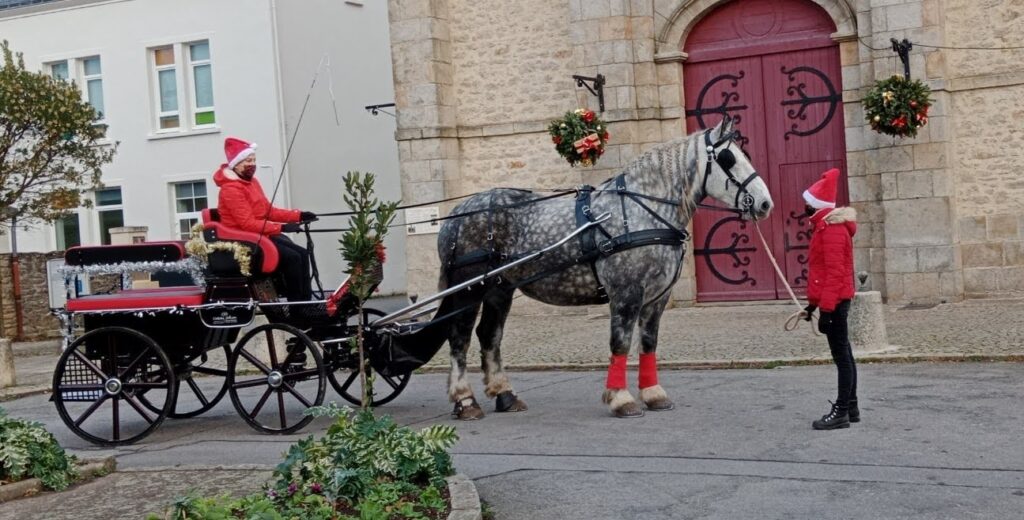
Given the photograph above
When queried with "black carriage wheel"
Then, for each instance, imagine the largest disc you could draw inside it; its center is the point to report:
(345, 380)
(207, 368)
(261, 392)
(109, 369)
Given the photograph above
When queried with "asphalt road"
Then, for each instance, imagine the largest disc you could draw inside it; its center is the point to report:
(936, 441)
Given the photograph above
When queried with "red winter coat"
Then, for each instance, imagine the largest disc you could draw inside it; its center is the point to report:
(243, 205)
(830, 269)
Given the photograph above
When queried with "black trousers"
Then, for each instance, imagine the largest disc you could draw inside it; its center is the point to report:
(834, 326)
(293, 268)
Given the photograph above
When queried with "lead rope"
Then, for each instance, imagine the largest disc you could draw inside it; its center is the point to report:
(794, 319)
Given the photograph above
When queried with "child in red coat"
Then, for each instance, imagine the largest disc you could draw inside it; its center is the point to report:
(830, 288)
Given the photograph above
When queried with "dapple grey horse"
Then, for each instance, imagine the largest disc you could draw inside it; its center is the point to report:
(657, 190)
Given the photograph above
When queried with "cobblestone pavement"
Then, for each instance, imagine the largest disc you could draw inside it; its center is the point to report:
(751, 333)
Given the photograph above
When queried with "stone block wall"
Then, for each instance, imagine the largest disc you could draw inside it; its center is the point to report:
(941, 215)
(37, 322)
(987, 105)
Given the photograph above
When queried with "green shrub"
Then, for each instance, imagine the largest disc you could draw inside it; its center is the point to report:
(27, 450)
(364, 467)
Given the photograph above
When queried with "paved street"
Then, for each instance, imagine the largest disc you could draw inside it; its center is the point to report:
(937, 441)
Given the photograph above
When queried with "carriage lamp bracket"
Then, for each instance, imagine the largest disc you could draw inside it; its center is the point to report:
(376, 109)
(593, 84)
(902, 48)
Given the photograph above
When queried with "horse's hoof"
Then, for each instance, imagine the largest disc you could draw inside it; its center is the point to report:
(656, 399)
(508, 402)
(468, 412)
(621, 403)
(629, 411)
(661, 405)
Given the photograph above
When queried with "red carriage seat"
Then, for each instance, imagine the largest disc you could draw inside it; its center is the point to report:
(218, 231)
(139, 299)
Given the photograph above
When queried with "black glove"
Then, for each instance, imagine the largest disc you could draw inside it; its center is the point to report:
(290, 228)
(307, 216)
(824, 322)
(809, 312)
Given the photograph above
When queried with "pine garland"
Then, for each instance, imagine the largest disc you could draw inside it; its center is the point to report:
(897, 106)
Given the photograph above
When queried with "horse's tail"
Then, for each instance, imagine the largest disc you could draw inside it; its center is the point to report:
(446, 244)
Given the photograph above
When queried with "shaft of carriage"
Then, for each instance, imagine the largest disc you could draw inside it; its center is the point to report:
(394, 316)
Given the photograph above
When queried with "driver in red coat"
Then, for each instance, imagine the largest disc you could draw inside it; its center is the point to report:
(830, 288)
(244, 206)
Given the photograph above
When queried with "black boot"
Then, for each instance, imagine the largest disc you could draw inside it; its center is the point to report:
(835, 419)
(853, 411)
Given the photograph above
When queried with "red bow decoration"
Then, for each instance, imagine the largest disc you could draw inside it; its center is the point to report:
(590, 142)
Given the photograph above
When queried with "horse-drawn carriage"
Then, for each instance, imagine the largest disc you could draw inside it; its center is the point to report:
(135, 356)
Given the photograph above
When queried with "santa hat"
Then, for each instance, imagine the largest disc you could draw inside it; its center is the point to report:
(237, 150)
(822, 194)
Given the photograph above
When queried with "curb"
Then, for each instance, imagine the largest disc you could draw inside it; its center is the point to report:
(17, 392)
(88, 470)
(465, 500)
(712, 364)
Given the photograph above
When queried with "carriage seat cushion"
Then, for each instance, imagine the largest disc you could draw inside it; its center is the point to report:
(211, 222)
(131, 299)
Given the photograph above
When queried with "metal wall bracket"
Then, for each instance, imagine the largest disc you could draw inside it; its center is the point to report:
(597, 89)
(376, 109)
(902, 48)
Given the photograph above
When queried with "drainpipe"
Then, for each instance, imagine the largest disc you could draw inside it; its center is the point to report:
(16, 279)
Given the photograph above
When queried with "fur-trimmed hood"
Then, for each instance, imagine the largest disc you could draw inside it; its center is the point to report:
(844, 216)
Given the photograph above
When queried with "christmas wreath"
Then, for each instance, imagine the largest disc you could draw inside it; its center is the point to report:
(898, 106)
(579, 136)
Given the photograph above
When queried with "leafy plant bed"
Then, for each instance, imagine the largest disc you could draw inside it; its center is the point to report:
(28, 451)
(364, 467)
(86, 470)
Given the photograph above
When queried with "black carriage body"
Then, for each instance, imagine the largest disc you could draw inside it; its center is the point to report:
(181, 336)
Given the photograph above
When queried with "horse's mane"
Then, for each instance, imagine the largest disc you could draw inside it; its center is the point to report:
(676, 160)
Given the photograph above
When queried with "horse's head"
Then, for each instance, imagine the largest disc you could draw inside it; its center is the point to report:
(729, 177)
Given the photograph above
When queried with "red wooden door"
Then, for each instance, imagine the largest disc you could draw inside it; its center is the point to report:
(772, 65)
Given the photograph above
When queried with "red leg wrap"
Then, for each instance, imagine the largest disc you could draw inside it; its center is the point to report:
(616, 373)
(648, 370)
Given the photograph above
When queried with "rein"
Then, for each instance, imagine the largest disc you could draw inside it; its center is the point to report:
(794, 319)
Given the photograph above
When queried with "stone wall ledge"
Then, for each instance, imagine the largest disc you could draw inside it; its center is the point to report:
(530, 127)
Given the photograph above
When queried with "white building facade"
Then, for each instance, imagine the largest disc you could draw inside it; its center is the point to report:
(171, 80)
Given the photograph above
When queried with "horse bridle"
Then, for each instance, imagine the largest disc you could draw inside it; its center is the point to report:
(726, 159)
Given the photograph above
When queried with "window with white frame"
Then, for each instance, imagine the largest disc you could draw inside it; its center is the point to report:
(189, 202)
(183, 87)
(68, 230)
(87, 73)
(110, 209)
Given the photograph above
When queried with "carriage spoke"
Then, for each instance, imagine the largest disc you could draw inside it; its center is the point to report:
(129, 386)
(252, 359)
(138, 408)
(211, 371)
(390, 380)
(348, 382)
(88, 412)
(272, 348)
(259, 405)
(291, 389)
(89, 364)
(249, 384)
(198, 391)
(131, 366)
(280, 408)
(117, 420)
(301, 374)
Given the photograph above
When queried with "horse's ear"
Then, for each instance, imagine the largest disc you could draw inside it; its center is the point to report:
(725, 127)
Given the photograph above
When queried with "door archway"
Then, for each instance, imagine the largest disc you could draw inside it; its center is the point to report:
(771, 64)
